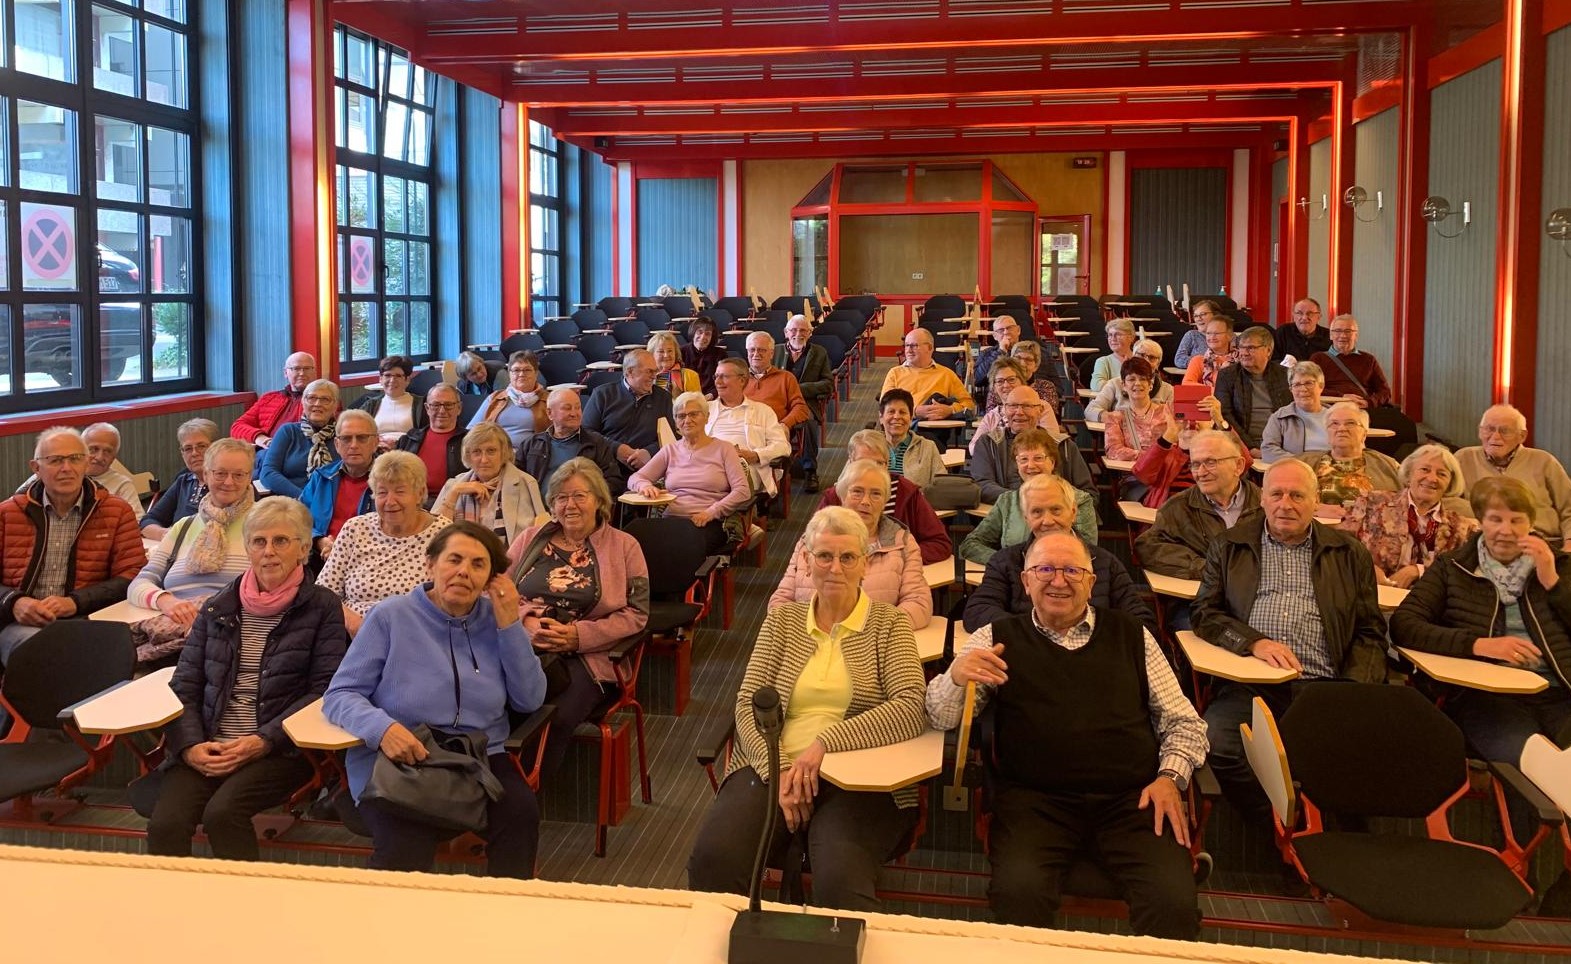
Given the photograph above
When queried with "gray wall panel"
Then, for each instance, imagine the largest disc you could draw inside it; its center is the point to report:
(1459, 288)
(678, 243)
(1375, 143)
(1177, 228)
(1319, 220)
(146, 444)
(1552, 419)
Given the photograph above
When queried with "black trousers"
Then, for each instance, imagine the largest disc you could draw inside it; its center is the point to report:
(512, 833)
(850, 836)
(574, 692)
(1037, 836)
(223, 806)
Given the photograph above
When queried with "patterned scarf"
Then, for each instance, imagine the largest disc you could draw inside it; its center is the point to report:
(1212, 363)
(522, 399)
(321, 445)
(1510, 579)
(1422, 533)
(211, 545)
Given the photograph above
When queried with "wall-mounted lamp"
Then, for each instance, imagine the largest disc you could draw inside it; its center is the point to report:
(1356, 196)
(1325, 207)
(1437, 209)
(1558, 227)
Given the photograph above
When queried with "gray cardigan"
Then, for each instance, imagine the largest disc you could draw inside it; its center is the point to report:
(923, 461)
(521, 500)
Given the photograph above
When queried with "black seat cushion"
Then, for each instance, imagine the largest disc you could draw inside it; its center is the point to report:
(37, 765)
(1414, 880)
(664, 616)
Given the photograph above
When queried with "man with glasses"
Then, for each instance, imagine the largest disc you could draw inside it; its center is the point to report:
(68, 546)
(1252, 389)
(259, 423)
(566, 438)
(1006, 333)
(440, 441)
(938, 391)
(103, 465)
(628, 412)
(1304, 335)
(1294, 593)
(751, 426)
(1350, 372)
(778, 389)
(993, 456)
(1094, 743)
(1501, 434)
(341, 489)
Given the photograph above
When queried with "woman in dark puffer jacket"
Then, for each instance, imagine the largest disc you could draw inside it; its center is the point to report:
(1505, 595)
(261, 648)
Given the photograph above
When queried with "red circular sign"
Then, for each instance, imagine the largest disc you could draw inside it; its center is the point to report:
(48, 246)
(360, 262)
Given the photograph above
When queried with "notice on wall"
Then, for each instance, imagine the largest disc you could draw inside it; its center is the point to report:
(1065, 242)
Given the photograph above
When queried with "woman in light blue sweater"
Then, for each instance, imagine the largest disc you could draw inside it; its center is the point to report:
(458, 660)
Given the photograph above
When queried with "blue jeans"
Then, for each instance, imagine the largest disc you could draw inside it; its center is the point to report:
(1497, 725)
(11, 637)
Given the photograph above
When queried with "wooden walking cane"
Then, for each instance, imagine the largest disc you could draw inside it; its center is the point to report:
(956, 796)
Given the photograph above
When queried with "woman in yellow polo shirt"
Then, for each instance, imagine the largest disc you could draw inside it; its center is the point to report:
(848, 676)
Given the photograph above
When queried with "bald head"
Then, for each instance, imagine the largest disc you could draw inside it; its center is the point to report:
(1021, 408)
(300, 370)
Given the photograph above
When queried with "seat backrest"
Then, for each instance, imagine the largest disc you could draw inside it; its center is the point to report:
(596, 348)
(678, 306)
(1371, 749)
(589, 319)
(560, 332)
(655, 319)
(866, 304)
(468, 405)
(521, 341)
(424, 380)
(1014, 301)
(834, 346)
(722, 318)
(735, 345)
(847, 316)
(1263, 750)
(594, 380)
(840, 329)
(673, 549)
(631, 332)
(560, 367)
(616, 307)
(65, 663)
(737, 306)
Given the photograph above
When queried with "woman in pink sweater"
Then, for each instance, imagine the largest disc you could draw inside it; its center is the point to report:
(704, 473)
(1138, 421)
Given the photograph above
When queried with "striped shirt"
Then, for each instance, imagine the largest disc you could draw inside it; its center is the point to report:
(1285, 608)
(1178, 727)
(897, 455)
(239, 716)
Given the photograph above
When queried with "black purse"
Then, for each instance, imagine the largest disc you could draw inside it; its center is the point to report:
(450, 789)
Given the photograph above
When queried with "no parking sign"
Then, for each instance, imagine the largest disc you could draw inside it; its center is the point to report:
(361, 268)
(48, 248)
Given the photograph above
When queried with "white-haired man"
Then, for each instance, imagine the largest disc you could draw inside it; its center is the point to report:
(1501, 434)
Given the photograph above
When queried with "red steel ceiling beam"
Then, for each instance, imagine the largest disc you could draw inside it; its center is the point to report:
(948, 115)
(850, 27)
(687, 89)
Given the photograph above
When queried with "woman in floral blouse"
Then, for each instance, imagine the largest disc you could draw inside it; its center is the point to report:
(1405, 530)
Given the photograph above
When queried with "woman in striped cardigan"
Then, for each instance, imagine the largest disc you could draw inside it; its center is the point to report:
(848, 678)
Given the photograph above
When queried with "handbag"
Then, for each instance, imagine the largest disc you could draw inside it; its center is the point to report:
(450, 789)
(953, 492)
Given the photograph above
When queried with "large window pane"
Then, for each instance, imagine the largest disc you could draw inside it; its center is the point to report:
(356, 121)
(51, 346)
(119, 159)
(363, 336)
(361, 265)
(166, 69)
(5, 350)
(172, 9)
(419, 268)
(168, 168)
(419, 203)
(43, 39)
(5, 274)
(394, 129)
(120, 343)
(420, 328)
(393, 261)
(393, 204)
(119, 251)
(171, 254)
(114, 52)
(48, 247)
(46, 147)
(358, 54)
(362, 198)
(419, 138)
(398, 75)
(5, 141)
(397, 322)
(171, 341)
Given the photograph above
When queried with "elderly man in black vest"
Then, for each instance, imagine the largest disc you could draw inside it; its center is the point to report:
(1095, 743)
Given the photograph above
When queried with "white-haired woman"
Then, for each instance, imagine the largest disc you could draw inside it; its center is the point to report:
(263, 647)
(493, 492)
(302, 448)
(848, 676)
(1405, 530)
(382, 553)
(1121, 345)
(703, 472)
(1349, 470)
(199, 556)
(1299, 426)
(894, 564)
(185, 492)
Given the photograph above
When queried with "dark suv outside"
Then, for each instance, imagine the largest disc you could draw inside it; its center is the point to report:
(50, 339)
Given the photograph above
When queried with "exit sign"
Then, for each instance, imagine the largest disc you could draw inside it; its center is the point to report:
(1084, 162)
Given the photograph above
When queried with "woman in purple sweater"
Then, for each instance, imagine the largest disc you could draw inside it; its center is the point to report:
(704, 473)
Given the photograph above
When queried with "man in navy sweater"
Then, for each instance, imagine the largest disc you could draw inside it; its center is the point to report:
(627, 412)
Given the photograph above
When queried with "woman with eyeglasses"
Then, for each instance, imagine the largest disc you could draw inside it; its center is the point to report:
(198, 556)
(704, 353)
(848, 677)
(1139, 420)
(395, 408)
(894, 563)
(703, 472)
(494, 492)
(1009, 374)
(583, 586)
(670, 374)
(1036, 453)
(1121, 345)
(520, 407)
(1406, 530)
(302, 448)
(1028, 355)
(1112, 394)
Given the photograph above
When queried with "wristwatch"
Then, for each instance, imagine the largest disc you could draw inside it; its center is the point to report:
(1178, 781)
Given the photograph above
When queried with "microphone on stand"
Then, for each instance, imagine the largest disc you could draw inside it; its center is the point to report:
(775, 937)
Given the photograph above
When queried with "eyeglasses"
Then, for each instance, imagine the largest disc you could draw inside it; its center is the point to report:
(1304, 384)
(55, 461)
(572, 498)
(278, 543)
(858, 493)
(690, 413)
(218, 476)
(1020, 406)
(357, 439)
(1344, 331)
(1071, 574)
(520, 371)
(318, 400)
(1209, 465)
(1501, 430)
(297, 369)
(441, 406)
(826, 559)
(194, 449)
(1302, 313)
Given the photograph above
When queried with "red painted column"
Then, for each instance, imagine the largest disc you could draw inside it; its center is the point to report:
(1412, 232)
(313, 308)
(1521, 192)
(1339, 276)
(515, 217)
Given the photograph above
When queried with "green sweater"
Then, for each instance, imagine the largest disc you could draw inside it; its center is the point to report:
(1006, 526)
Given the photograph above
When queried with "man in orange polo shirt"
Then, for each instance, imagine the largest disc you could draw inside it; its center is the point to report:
(779, 390)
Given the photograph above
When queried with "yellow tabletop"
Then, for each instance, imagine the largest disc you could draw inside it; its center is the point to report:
(1477, 674)
(1136, 512)
(886, 768)
(1070, 334)
(1381, 433)
(1077, 350)
(1085, 393)
(603, 366)
(1172, 585)
(309, 729)
(1119, 465)
(930, 639)
(1213, 660)
(941, 573)
(1175, 370)
(570, 386)
(123, 612)
(980, 512)
(1390, 597)
(633, 498)
(954, 458)
(941, 423)
(1096, 426)
(142, 704)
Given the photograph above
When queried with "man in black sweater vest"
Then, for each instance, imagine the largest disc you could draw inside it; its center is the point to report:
(1093, 744)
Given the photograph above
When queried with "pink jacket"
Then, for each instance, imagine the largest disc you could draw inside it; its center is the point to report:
(894, 575)
(623, 608)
